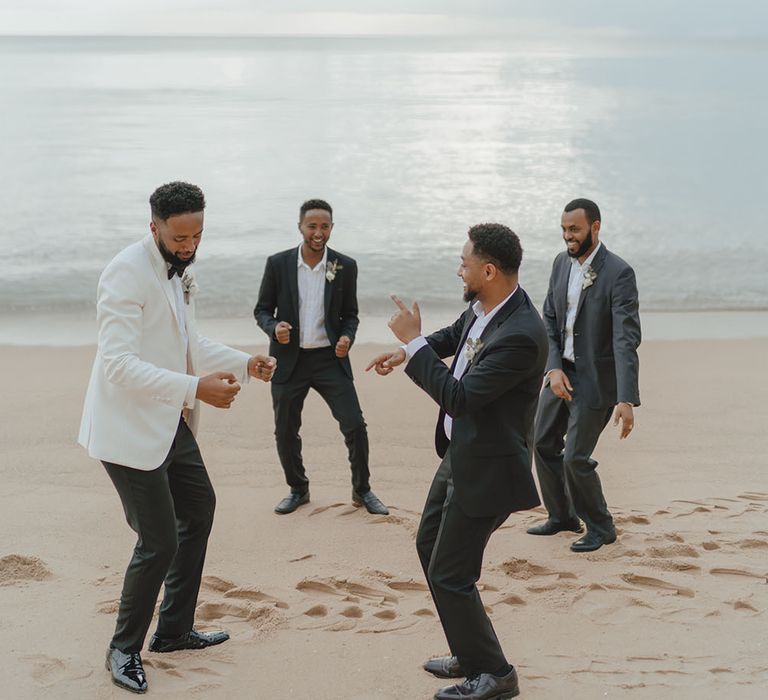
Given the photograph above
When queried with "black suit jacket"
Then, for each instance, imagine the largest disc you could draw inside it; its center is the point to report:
(606, 333)
(279, 301)
(492, 405)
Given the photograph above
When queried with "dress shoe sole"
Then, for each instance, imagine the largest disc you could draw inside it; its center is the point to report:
(122, 685)
(577, 530)
(506, 695)
(591, 548)
(446, 676)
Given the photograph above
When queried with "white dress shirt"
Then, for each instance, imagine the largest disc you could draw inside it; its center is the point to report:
(181, 315)
(575, 284)
(312, 283)
(481, 322)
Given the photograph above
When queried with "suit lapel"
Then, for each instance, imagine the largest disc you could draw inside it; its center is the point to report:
(328, 286)
(468, 323)
(293, 281)
(597, 263)
(486, 337)
(560, 292)
(161, 272)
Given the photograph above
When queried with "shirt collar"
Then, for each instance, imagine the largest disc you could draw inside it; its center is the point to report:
(588, 261)
(477, 307)
(300, 262)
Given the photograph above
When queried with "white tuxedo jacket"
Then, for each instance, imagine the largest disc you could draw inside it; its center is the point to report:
(139, 379)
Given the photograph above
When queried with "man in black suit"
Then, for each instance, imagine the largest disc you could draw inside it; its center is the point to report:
(487, 404)
(308, 307)
(591, 315)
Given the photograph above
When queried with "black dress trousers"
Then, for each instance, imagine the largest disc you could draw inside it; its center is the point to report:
(319, 369)
(171, 511)
(450, 545)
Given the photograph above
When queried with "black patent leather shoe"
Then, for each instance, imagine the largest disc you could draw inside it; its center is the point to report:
(444, 667)
(190, 640)
(292, 502)
(552, 527)
(592, 541)
(482, 686)
(372, 504)
(126, 670)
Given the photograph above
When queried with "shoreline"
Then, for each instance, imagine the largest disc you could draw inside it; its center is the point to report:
(75, 330)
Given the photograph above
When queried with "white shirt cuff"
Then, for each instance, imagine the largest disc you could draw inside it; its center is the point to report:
(189, 399)
(414, 346)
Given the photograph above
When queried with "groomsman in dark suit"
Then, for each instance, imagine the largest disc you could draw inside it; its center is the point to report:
(591, 315)
(487, 403)
(308, 307)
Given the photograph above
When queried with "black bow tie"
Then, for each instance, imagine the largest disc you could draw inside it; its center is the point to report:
(173, 270)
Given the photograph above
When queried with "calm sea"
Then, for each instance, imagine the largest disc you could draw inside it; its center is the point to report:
(411, 140)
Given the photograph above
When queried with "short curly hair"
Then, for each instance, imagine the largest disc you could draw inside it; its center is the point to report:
(311, 204)
(497, 244)
(176, 198)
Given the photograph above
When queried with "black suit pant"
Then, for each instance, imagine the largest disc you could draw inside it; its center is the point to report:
(566, 435)
(171, 510)
(319, 369)
(450, 545)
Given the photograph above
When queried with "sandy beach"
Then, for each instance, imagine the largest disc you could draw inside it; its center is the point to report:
(330, 603)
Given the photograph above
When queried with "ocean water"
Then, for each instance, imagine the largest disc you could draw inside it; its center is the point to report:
(411, 140)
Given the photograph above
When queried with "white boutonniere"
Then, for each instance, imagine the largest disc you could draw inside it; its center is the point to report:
(472, 347)
(589, 277)
(188, 285)
(331, 268)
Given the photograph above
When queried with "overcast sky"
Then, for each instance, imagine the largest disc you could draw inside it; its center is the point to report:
(609, 17)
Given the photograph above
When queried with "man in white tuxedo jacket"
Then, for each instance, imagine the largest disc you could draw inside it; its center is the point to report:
(140, 418)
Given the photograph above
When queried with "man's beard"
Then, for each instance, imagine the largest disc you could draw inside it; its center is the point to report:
(583, 248)
(172, 258)
(470, 295)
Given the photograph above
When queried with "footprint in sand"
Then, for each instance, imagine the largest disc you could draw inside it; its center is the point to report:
(722, 571)
(524, 569)
(255, 595)
(650, 582)
(343, 587)
(409, 585)
(743, 605)
(633, 519)
(754, 496)
(48, 671)
(322, 509)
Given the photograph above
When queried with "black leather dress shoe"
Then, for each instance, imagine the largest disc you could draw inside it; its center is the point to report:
(190, 640)
(482, 686)
(292, 502)
(592, 541)
(126, 670)
(552, 527)
(444, 667)
(372, 504)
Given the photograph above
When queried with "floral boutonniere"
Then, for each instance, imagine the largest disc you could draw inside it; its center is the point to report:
(473, 346)
(188, 285)
(589, 277)
(331, 268)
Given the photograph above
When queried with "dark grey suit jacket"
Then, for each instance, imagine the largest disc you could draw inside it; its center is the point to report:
(606, 331)
(279, 301)
(493, 406)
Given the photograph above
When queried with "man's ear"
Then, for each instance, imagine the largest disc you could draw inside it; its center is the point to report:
(595, 227)
(490, 271)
